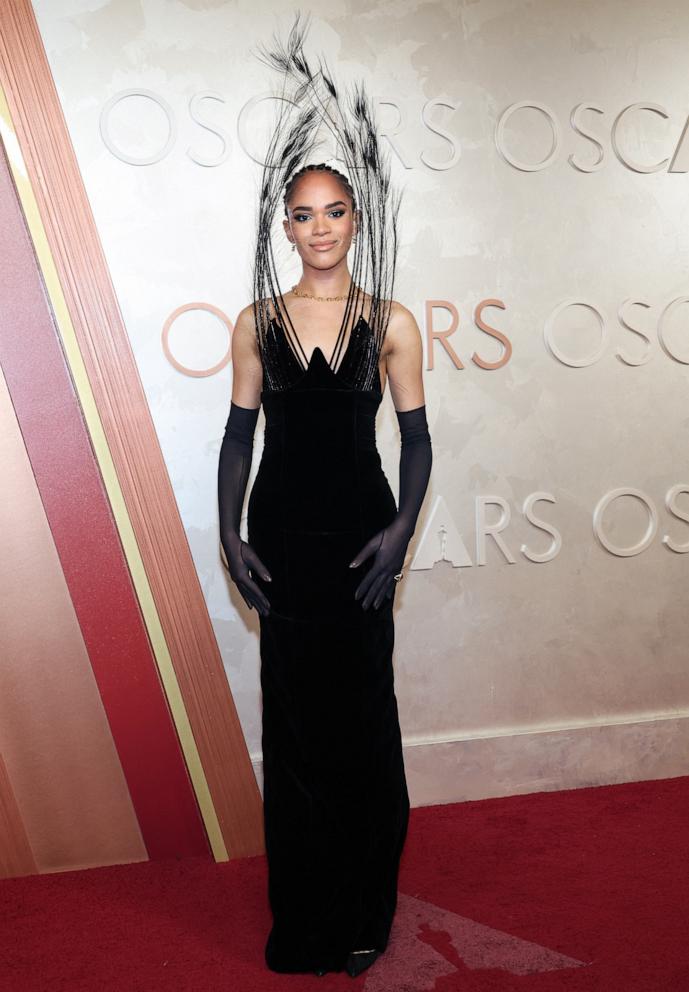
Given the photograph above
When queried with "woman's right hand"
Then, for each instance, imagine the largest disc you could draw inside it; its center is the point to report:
(241, 558)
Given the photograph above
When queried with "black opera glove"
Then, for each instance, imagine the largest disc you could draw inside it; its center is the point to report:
(234, 466)
(390, 544)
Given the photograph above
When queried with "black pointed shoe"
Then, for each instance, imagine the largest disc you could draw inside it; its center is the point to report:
(358, 961)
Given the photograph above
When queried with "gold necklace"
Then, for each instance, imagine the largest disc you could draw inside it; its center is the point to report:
(320, 299)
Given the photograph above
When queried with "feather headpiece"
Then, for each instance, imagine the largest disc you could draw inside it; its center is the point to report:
(313, 108)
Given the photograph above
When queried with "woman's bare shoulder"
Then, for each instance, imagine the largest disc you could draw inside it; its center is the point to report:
(402, 330)
(399, 313)
(247, 316)
(245, 323)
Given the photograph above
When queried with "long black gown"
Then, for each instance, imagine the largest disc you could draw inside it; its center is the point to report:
(336, 806)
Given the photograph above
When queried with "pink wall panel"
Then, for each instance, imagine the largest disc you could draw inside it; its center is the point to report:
(91, 751)
(16, 856)
(61, 760)
(202, 710)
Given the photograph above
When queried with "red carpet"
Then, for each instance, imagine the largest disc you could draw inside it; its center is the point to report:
(585, 889)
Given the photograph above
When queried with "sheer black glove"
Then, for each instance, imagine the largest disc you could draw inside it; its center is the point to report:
(234, 466)
(390, 544)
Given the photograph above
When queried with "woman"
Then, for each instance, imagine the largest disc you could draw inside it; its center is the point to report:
(326, 540)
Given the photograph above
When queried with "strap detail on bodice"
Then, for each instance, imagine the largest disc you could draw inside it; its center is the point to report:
(358, 367)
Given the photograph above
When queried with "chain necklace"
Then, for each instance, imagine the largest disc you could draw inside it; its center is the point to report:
(320, 299)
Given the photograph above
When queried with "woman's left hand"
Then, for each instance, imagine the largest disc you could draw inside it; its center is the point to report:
(389, 546)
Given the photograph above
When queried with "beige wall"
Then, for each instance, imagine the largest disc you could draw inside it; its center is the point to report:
(513, 674)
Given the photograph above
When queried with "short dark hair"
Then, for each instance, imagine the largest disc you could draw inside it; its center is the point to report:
(320, 167)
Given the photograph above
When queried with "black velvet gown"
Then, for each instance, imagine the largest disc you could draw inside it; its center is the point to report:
(336, 805)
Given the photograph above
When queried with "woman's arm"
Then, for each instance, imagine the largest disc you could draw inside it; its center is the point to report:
(247, 371)
(404, 369)
(234, 464)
